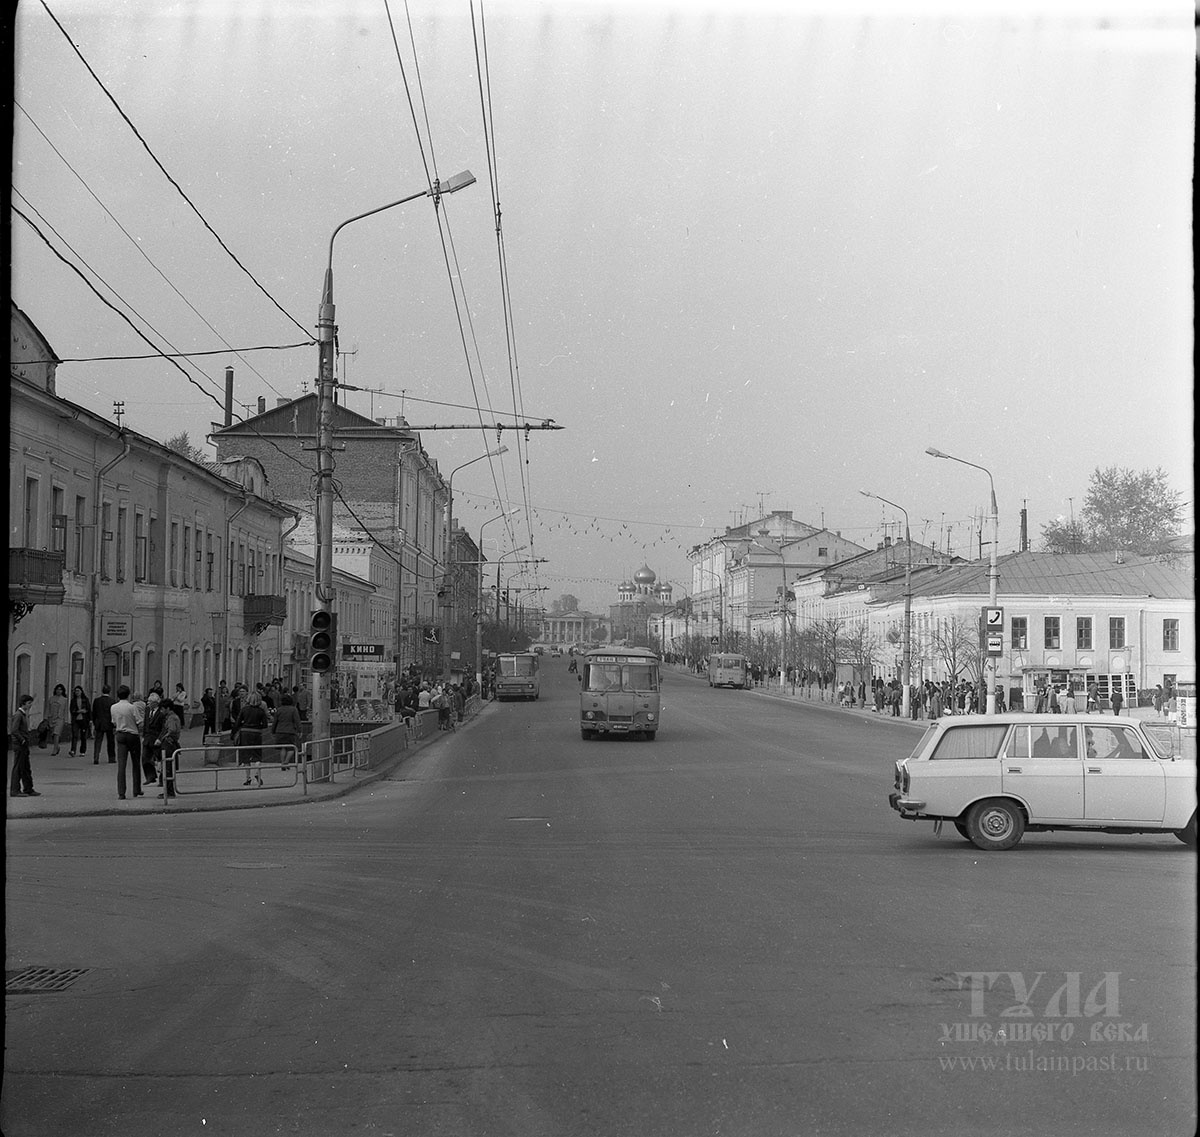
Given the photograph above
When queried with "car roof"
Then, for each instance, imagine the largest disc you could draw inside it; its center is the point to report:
(1029, 717)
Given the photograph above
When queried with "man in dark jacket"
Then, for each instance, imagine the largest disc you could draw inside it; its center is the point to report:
(102, 722)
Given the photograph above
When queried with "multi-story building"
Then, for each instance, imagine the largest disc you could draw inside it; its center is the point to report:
(127, 561)
(561, 629)
(389, 489)
(746, 571)
(638, 601)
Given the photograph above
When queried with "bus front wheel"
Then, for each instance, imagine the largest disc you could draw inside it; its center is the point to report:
(587, 735)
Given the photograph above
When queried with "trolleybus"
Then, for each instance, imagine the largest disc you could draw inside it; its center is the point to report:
(619, 692)
(516, 676)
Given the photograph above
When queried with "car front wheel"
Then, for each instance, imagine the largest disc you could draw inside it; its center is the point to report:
(994, 825)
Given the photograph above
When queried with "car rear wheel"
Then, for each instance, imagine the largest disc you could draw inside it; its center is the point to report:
(994, 824)
(1188, 833)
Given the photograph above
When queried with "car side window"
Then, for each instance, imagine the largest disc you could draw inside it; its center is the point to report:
(970, 742)
(1113, 742)
(1043, 742)
(1018, 743)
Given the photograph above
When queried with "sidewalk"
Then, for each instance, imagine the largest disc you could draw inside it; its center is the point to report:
(74, 787)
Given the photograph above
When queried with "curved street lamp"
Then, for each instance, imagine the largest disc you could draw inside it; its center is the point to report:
(326, 329)
(907, 650)
(993, 571)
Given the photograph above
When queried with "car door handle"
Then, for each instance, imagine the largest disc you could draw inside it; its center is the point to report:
(1094, 770)
(1014, 769)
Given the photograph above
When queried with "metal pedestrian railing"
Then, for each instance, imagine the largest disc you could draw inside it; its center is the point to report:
(182, 779)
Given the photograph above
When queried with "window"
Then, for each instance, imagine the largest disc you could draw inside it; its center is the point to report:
(1028, 742)
(1053, 631)
(970, 742)
(208, 568)
(31, 508)
(822, 551)
(173, 555)
(1170, 635)
(1116, 631)
(141, 551)
(122, 537)
(1020, 633)
(187, 557)
(1113, 742)
(58, 519)
(106, 541)
(1083, 633)
(81, 562)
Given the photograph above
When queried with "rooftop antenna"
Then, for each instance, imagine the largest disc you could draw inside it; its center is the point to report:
(762, 501)
(118, 411)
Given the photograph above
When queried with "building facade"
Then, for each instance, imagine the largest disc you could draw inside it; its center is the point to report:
(390, 491)
(129, 563)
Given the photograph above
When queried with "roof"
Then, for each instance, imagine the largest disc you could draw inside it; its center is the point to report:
(1067, 574)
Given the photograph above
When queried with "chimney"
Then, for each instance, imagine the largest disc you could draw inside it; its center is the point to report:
(282, 402)
(1024, 530)
(262, 404)
(887, 540)
(229, 396)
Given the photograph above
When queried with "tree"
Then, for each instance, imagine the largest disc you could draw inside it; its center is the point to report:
(1123, 509)
(861, 649)
(182, 445)
(956, 642)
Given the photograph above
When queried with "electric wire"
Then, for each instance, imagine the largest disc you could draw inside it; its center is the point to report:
(141, 252)
(154, 158)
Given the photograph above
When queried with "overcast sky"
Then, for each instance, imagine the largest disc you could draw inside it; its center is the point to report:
(757, 255)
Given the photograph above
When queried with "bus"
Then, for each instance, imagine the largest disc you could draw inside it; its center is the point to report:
(619, 692)
(516, 676)
(728, 670)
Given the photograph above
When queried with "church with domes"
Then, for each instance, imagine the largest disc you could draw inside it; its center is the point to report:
(637, 600)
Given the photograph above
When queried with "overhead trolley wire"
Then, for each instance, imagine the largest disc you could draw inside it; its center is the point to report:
(178, 187)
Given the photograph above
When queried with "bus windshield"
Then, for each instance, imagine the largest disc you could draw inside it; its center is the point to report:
(622, 677)
(516, 665)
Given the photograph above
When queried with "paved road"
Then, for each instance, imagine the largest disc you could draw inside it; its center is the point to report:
(725, 931)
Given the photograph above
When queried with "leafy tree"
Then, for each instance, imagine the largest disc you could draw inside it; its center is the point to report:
(181, 444)
(1123, 509)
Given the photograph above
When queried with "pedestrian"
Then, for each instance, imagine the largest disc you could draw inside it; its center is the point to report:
(20, 734)
(58, 714)
(127, 724)
(156, 688)
(1066, 701)
(286, 728)
(301, 697)
(167, 744)
(1117, 700)
(1093, 697)
(81, 715)
(180, 699)
(102, 724)
(208, 703)
(1158, 699)
(152, 724)
(248, 730)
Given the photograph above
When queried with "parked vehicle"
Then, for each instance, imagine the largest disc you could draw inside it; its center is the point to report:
(619, 692)
(726, 669)
(996, 777)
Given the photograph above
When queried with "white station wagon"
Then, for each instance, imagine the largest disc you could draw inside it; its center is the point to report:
(996, 776)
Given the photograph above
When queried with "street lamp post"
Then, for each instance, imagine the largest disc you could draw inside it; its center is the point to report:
(326, 332)
(906, 672)
(479, 600)
(721, 608)
(993, 571)
(450, 517)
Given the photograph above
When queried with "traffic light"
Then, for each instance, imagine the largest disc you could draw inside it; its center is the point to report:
(322, 641)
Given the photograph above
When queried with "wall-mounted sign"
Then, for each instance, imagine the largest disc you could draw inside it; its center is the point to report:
(371, 652)
(116, 629)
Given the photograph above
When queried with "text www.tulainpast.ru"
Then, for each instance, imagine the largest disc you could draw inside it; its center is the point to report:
(1033, 1063)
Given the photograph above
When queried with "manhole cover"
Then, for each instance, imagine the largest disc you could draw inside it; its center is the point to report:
(36, 980)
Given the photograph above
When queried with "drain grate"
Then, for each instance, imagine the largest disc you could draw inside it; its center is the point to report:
(37, 980)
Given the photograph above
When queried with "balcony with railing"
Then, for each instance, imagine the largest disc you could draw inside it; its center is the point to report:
(35, 576)
(262, 612)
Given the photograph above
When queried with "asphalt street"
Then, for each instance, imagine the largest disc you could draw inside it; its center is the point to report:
(724, 931)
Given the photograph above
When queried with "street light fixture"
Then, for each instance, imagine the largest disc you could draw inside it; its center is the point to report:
(479, 599)
(993, 571)
(907, 647)
(326, 330)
